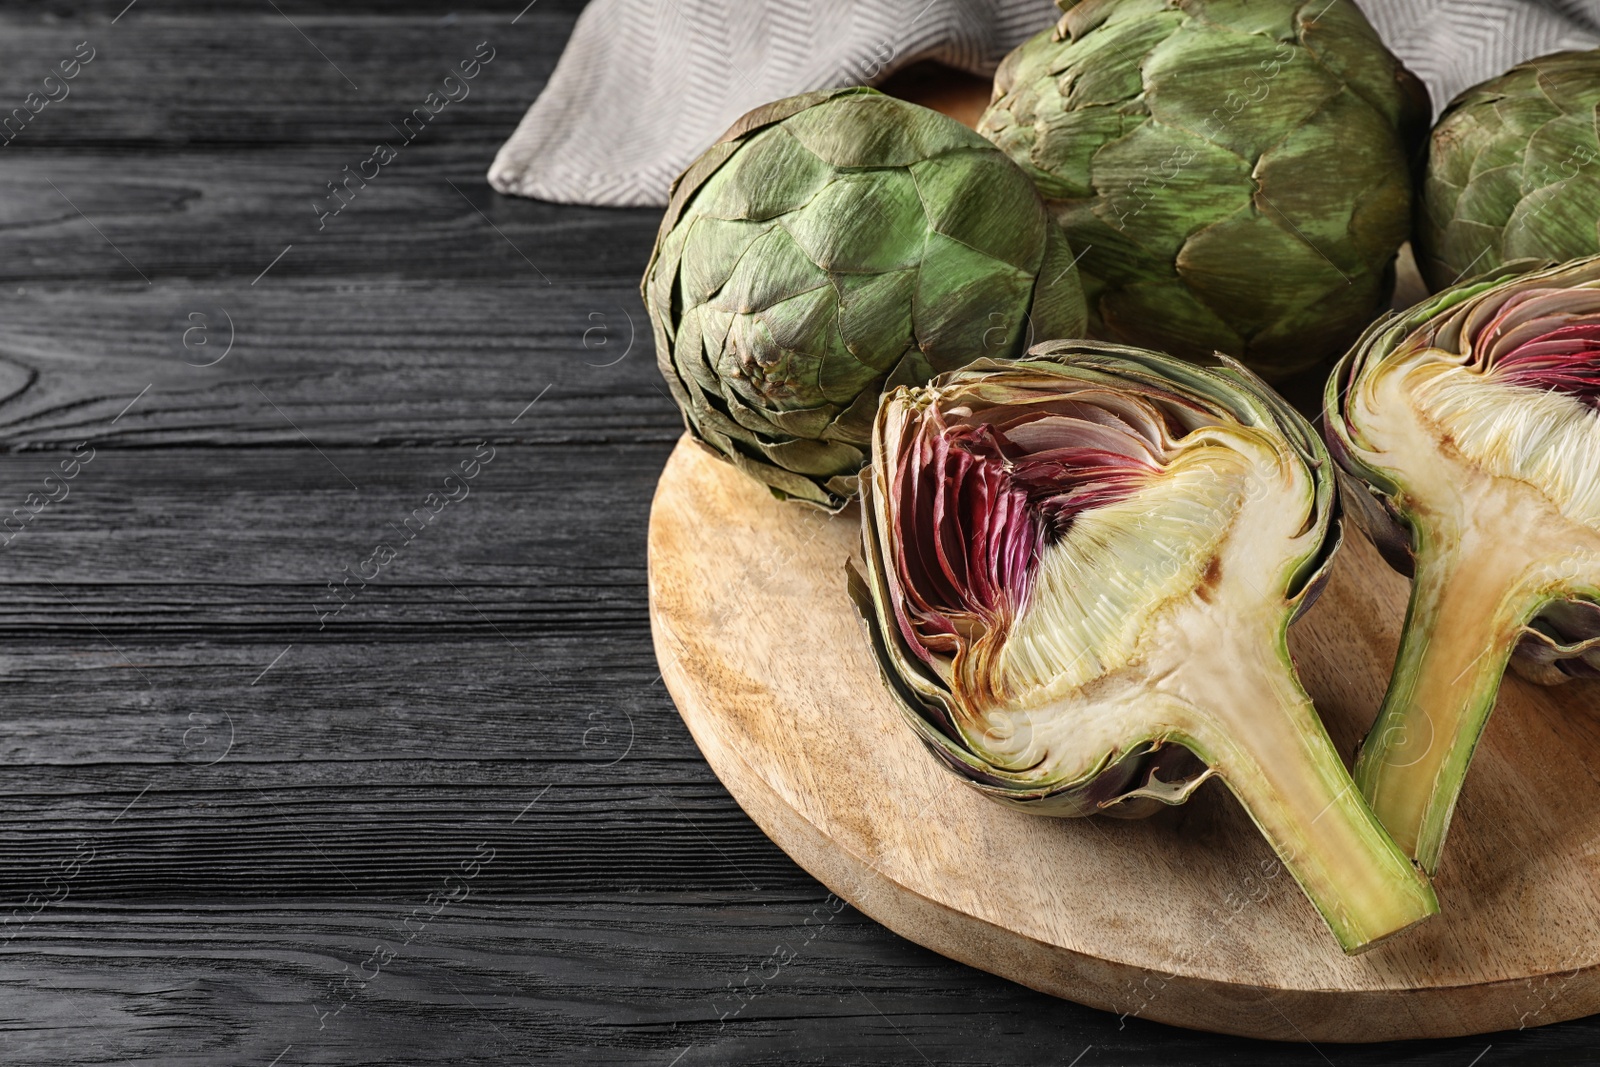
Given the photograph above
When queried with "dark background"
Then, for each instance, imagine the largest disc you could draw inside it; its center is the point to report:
(458, 821)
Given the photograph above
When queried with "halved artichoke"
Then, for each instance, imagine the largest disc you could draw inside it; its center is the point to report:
(1469, 425)
(832, 244)
(1081, 567)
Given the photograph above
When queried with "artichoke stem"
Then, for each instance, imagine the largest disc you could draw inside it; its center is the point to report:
(1467, 608)
(1245, 713)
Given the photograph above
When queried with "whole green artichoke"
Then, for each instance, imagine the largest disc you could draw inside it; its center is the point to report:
(1234, 174)
(831, 245)
(1511, 171)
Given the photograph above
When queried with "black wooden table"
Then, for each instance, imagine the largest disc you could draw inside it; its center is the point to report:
(332, 731)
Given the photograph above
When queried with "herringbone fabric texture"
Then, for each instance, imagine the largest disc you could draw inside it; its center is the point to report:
(644, 86)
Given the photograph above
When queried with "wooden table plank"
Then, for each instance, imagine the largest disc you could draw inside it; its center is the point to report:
(633, 982)
(134, 221)
(377, 363)
(159, 79)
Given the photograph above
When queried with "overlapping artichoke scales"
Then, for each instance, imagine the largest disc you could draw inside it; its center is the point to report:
(1513, 170)
(830, 246)
(1041, 526)
(1235, 175)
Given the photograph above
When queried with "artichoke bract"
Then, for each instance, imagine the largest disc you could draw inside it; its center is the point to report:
(1080, 571)
(1512, 171)
(1236, 176)
(1470, 429)
(833, 244)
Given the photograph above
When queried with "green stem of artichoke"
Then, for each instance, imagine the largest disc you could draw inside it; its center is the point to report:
(1245, 713)
(1469, 601)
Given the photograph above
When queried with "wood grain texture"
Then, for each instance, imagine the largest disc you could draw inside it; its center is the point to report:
(222, 75)
(358, 365)
(1183, 918)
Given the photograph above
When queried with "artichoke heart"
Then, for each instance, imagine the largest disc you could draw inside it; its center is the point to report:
(1470, 429)
(1081, 567)
(829, 246)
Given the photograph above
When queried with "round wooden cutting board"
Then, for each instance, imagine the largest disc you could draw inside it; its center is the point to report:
(1173, 918)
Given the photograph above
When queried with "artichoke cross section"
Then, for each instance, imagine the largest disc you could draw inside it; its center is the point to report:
(1083, 563)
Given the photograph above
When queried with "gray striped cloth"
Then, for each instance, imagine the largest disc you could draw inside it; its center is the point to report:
(645, 86)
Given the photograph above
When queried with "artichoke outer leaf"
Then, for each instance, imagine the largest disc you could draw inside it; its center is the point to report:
(1219, 265)
(1344, 43)
(853, 425)
(1236, 90)
(1063, 145)
(1299, 338)
(875, 313)
(1491, 197)
(1272, 22)
(1475, 244)
(1160, 209)
(1057, 310)
(1566, 80)
(712, 251)
(1493, 152)
(861, 222)
(1128, 23)
(1559, 150)
(813, 457)
(841, 377)
(873, 130)
(1439, 198)
(805, 322)
(702, 351)
(808, 423)
(1309, 169)
(1109, 254)
(1169, 315)
(958, 289)
(1558, 222)
(1105, 66)
(1006, 223)
(789, 176)
(729, 416)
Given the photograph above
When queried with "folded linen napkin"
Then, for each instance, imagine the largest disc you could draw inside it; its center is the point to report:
(645, 86)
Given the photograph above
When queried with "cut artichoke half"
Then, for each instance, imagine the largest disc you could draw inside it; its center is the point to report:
(1470, 427)
(1081, 568)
